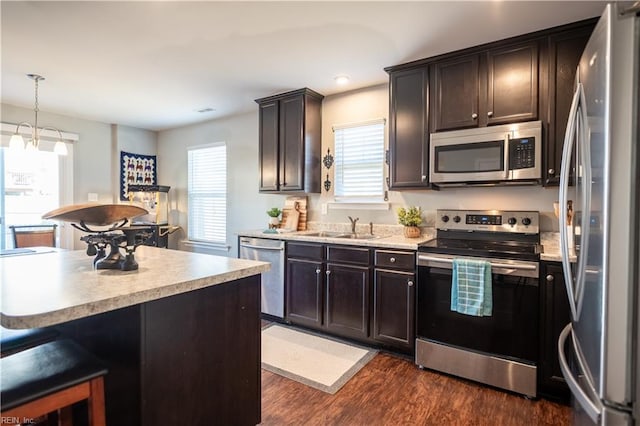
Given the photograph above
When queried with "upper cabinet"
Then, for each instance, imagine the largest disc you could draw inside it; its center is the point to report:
(565, 50)
(524, 78)
(495, 86)
(290, 141)
(409, 129)
(455, 93)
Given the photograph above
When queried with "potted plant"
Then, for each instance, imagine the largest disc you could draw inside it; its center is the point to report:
(273, 214)
(410, 217)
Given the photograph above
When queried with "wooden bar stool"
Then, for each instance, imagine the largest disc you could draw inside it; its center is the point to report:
(51, 377)
(12, 341)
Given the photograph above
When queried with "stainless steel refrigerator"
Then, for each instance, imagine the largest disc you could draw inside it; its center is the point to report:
(598, 350)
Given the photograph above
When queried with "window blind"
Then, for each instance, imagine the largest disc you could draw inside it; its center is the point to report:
(207, 193)
(359, 162)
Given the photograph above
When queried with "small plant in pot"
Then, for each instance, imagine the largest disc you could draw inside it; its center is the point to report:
(274, 213)
(410, 217)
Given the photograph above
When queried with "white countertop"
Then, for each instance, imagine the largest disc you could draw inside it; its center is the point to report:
(50, 288)
(384, 241)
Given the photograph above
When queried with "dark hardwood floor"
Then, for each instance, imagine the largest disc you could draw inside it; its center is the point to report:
(391, 390)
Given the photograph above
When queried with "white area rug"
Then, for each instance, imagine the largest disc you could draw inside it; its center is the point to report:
(319, 362)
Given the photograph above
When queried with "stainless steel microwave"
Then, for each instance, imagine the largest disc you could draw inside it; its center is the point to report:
(510, 153)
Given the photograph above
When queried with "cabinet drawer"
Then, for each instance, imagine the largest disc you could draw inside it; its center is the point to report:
(356, 255)
(305, 250)
(395, 259)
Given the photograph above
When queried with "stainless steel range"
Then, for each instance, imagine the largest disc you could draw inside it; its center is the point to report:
(501, 349)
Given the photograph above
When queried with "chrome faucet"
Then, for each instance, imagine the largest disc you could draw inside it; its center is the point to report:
(353, 223)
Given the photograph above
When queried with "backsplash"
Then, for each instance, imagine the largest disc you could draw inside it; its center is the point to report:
(495, 198)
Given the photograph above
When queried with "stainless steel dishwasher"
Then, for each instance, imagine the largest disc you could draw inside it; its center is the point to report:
(271, 251)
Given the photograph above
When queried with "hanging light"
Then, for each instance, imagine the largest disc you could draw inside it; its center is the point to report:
(17, 142)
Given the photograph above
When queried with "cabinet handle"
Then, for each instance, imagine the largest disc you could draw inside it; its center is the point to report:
(474, 115)
(410, 283)
(392, 260)
(490, 114)
(549, 278)
(552, 171)
(424, 178)
(318, 271)
(328, 272)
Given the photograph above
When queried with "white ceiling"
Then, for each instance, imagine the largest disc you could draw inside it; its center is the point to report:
(153, 64)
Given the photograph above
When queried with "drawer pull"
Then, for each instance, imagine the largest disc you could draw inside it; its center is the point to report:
(410, 283)
(549, 278)
(392, 260)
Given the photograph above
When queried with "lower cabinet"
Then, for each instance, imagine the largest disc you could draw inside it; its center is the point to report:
(394, 308)
(347, 298)
(555, 315)
(342, 291)
(304, 297)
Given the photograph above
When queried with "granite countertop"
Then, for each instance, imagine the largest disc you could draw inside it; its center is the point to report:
(393, 241)
(550, 242)
(50, 288)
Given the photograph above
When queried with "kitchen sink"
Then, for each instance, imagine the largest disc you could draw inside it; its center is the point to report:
(327, 234)
(358, 236)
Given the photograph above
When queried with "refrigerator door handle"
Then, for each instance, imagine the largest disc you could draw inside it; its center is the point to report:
(591, 409)
(584, 180)
(567, 150)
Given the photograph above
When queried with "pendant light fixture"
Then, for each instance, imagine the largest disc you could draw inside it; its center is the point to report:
(17, 142)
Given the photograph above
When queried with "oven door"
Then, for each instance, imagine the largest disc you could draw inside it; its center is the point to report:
(510, 332)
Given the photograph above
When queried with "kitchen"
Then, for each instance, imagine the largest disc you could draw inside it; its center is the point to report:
(246, 206)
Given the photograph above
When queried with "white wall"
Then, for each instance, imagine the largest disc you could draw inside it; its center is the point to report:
(246, 208)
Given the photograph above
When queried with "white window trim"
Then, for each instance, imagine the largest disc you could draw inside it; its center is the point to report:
(362, 203)
(201, 244)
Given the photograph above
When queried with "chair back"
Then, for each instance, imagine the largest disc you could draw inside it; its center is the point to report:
(33, 235)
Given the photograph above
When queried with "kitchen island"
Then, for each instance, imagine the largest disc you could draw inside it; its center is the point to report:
(181, 334)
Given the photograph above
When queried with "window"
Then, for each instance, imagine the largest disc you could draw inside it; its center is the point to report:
(359, 162)
(207, 181)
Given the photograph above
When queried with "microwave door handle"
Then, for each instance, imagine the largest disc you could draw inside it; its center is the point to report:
(506, 157)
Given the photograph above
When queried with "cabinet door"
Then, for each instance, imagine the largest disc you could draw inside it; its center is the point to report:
(454, 94)
(347, 300)
(564, 54)
(304, 292)
(292, 143)
(512, 84)
(409, 129)
(556, 315)
(393, 310)
(268, 146)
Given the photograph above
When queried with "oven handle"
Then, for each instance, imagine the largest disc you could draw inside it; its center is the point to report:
(447, 260)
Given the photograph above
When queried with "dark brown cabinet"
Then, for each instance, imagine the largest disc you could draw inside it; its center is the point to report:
(409, 129)
(333, 288)
(565, 50)
(289, 141)
(305, 284)
(455, 90)
(394, 299)
(347, 295)
(555, 315)
(496, 86)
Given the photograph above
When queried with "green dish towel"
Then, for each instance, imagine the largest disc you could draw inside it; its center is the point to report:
(471, 289)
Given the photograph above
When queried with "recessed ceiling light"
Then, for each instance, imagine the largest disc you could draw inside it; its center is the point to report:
(341, 79)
